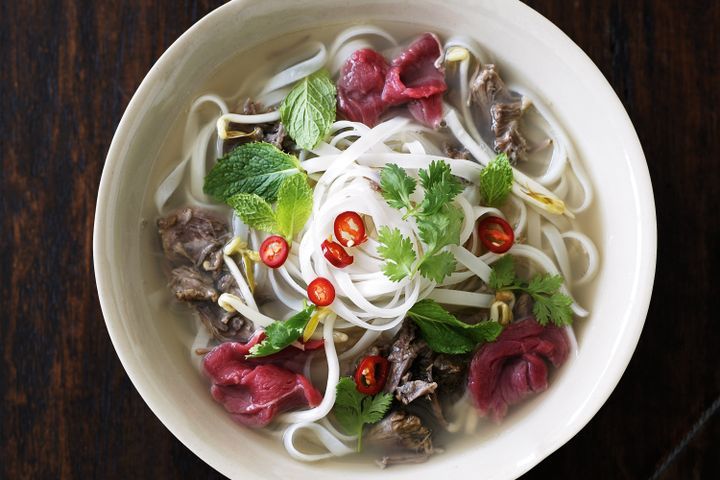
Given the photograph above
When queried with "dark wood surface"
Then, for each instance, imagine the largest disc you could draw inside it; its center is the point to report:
(68, 69)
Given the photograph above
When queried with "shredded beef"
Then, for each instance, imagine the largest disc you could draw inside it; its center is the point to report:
(401, 430)
(191, 285)
(502, 109)
(193, 240)
(194, 235)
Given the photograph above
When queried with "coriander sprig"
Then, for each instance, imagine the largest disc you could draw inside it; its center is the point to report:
(438, 221)
(550, 304)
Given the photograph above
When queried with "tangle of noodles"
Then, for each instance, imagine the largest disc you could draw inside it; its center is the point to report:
(345, 168)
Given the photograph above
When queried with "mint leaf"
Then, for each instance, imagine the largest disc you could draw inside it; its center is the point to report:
(254, 211)
(398, 252)
(438, 266)
(396, 186)
(353, 409)
(503, 273)
(281, 334)
(441, 187)
(444, 333)
(258, 168)
(294, 206)
(308, 111)
(496, 181)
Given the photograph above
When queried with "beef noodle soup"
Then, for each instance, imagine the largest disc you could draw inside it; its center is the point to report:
(379, 238)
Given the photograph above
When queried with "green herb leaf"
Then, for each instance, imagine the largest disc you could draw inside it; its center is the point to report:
(503, 273)
(441, 229)
(441, 187)
(254, 211)
(547, 284)
(496, 181)
(438, 266)
(281, 334)
(554, 308)
(550, 305)
(396, 186)
(445, 333)
(294, 206)
(258, 168)
(353, 409)
(397, 250)
(309, 109)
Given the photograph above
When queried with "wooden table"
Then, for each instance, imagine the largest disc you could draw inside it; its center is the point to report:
(68, 69)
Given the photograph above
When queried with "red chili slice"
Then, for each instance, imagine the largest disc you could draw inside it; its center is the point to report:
(336, 254)
(371, 374)
(496, 234)
(321, 292)
(349, 229)
(274, 251)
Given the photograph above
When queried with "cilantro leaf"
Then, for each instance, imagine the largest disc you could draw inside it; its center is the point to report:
(258, 168)
(308, 111)
(281, 334)
(550, 305)
(437, 267)
(441, 229)
(555, 308)
(445, 333)
(353, 409)
(547, 284)
(398, 252)
(294, 206)
(440, 186)
(396, 186)
(254, 211)
(496, 181)
(503, 273)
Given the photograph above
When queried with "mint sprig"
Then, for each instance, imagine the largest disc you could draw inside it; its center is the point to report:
(279, 335)
(496, 181)
(292, 211)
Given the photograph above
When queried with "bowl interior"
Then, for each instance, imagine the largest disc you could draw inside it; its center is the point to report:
(152, 338)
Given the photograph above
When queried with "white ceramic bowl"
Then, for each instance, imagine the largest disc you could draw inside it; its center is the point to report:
(152, 343)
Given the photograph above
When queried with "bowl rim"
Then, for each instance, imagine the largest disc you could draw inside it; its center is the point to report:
(573, 53)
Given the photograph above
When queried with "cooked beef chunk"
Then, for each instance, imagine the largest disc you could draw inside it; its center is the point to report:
(276, 135)
(193, 235)
(224, 325)
(411, 390)
(401, 430)
(255, 390)
(402, 353)
(191, 285)
(502, 110)
(404, 459)
(523, 306)
(504, 372)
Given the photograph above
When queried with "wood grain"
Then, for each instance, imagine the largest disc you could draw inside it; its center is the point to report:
(68, 69)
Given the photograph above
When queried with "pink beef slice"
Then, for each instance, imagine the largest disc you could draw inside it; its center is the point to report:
(515, 366)
(360, 87)
(255, 390)
(414, 76)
